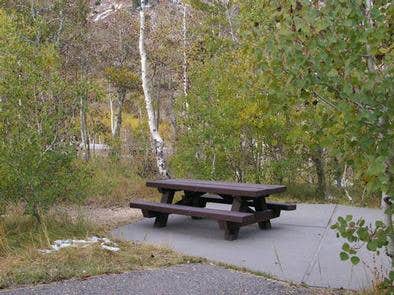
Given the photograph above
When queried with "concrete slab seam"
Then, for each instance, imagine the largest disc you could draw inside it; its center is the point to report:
(318, 248)
(302, 225)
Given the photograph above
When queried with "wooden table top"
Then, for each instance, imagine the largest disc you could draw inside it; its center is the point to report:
(218, 187)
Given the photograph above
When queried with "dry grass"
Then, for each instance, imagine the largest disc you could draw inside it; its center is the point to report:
(32, 267)
(107, 218)
(114, 184)
(20, 262)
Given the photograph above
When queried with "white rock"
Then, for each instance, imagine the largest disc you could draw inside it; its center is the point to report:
(113, 249)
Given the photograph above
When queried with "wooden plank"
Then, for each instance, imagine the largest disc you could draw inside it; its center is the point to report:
(233, 216)
(281, 206)
(262, 217)
(219, 187)
(225, 183)
(209, 198)
(217, 183)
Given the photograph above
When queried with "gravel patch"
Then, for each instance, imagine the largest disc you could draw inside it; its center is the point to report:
(183, 279)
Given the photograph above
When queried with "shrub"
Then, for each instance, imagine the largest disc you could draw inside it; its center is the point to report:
(37, 160)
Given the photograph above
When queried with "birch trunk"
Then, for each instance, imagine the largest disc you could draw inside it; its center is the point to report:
(387, 208)
(388, 220)
(157, 141)
(84, 130)
(111, 108)
(370, 59)
(230, 22)
(338, 173)
(184, 34)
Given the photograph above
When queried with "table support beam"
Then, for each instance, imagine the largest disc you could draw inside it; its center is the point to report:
(231, 229)
(161, 218)
(260, 205)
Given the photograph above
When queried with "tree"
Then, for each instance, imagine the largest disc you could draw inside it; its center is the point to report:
(339, 55)
(304, 81)
(123, 80)
(157, 141)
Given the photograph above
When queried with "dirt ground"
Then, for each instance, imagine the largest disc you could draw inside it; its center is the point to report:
(108, 217)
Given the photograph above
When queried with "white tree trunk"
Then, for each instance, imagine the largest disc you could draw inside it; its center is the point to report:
(84, 130)
(117, 122)
(370, 59)
(111, 107)
(226, 3)
(158, 143)
(184, 34)
(388, 220)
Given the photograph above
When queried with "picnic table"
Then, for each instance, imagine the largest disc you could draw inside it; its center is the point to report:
(248, 203)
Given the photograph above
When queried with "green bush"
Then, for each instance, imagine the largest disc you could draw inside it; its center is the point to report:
(38, 163)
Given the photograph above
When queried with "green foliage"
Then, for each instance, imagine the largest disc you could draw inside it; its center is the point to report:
(359, 234)
(320, 54)
(304, 82)
(37, 160)
(123, 78)
(289, 87)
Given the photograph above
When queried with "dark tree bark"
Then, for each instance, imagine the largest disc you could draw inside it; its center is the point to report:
(318, 160)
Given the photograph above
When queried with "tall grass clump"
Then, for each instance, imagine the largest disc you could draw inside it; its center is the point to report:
(115, 183)
(20, 232)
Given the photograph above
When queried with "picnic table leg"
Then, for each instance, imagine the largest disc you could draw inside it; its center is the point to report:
(231, 229)
(260, 205)
(161, 218)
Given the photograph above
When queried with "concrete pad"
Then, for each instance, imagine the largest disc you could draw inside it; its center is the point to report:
(310, 215)
(300, 247)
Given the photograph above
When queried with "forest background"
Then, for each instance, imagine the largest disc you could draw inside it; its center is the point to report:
(98, 96)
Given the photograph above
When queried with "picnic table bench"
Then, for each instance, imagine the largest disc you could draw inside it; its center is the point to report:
(248, 203)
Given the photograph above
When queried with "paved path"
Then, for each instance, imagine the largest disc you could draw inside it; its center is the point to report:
(300, 247)
(189, 279)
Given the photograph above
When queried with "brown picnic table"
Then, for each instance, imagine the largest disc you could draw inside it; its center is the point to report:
(248, 203)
